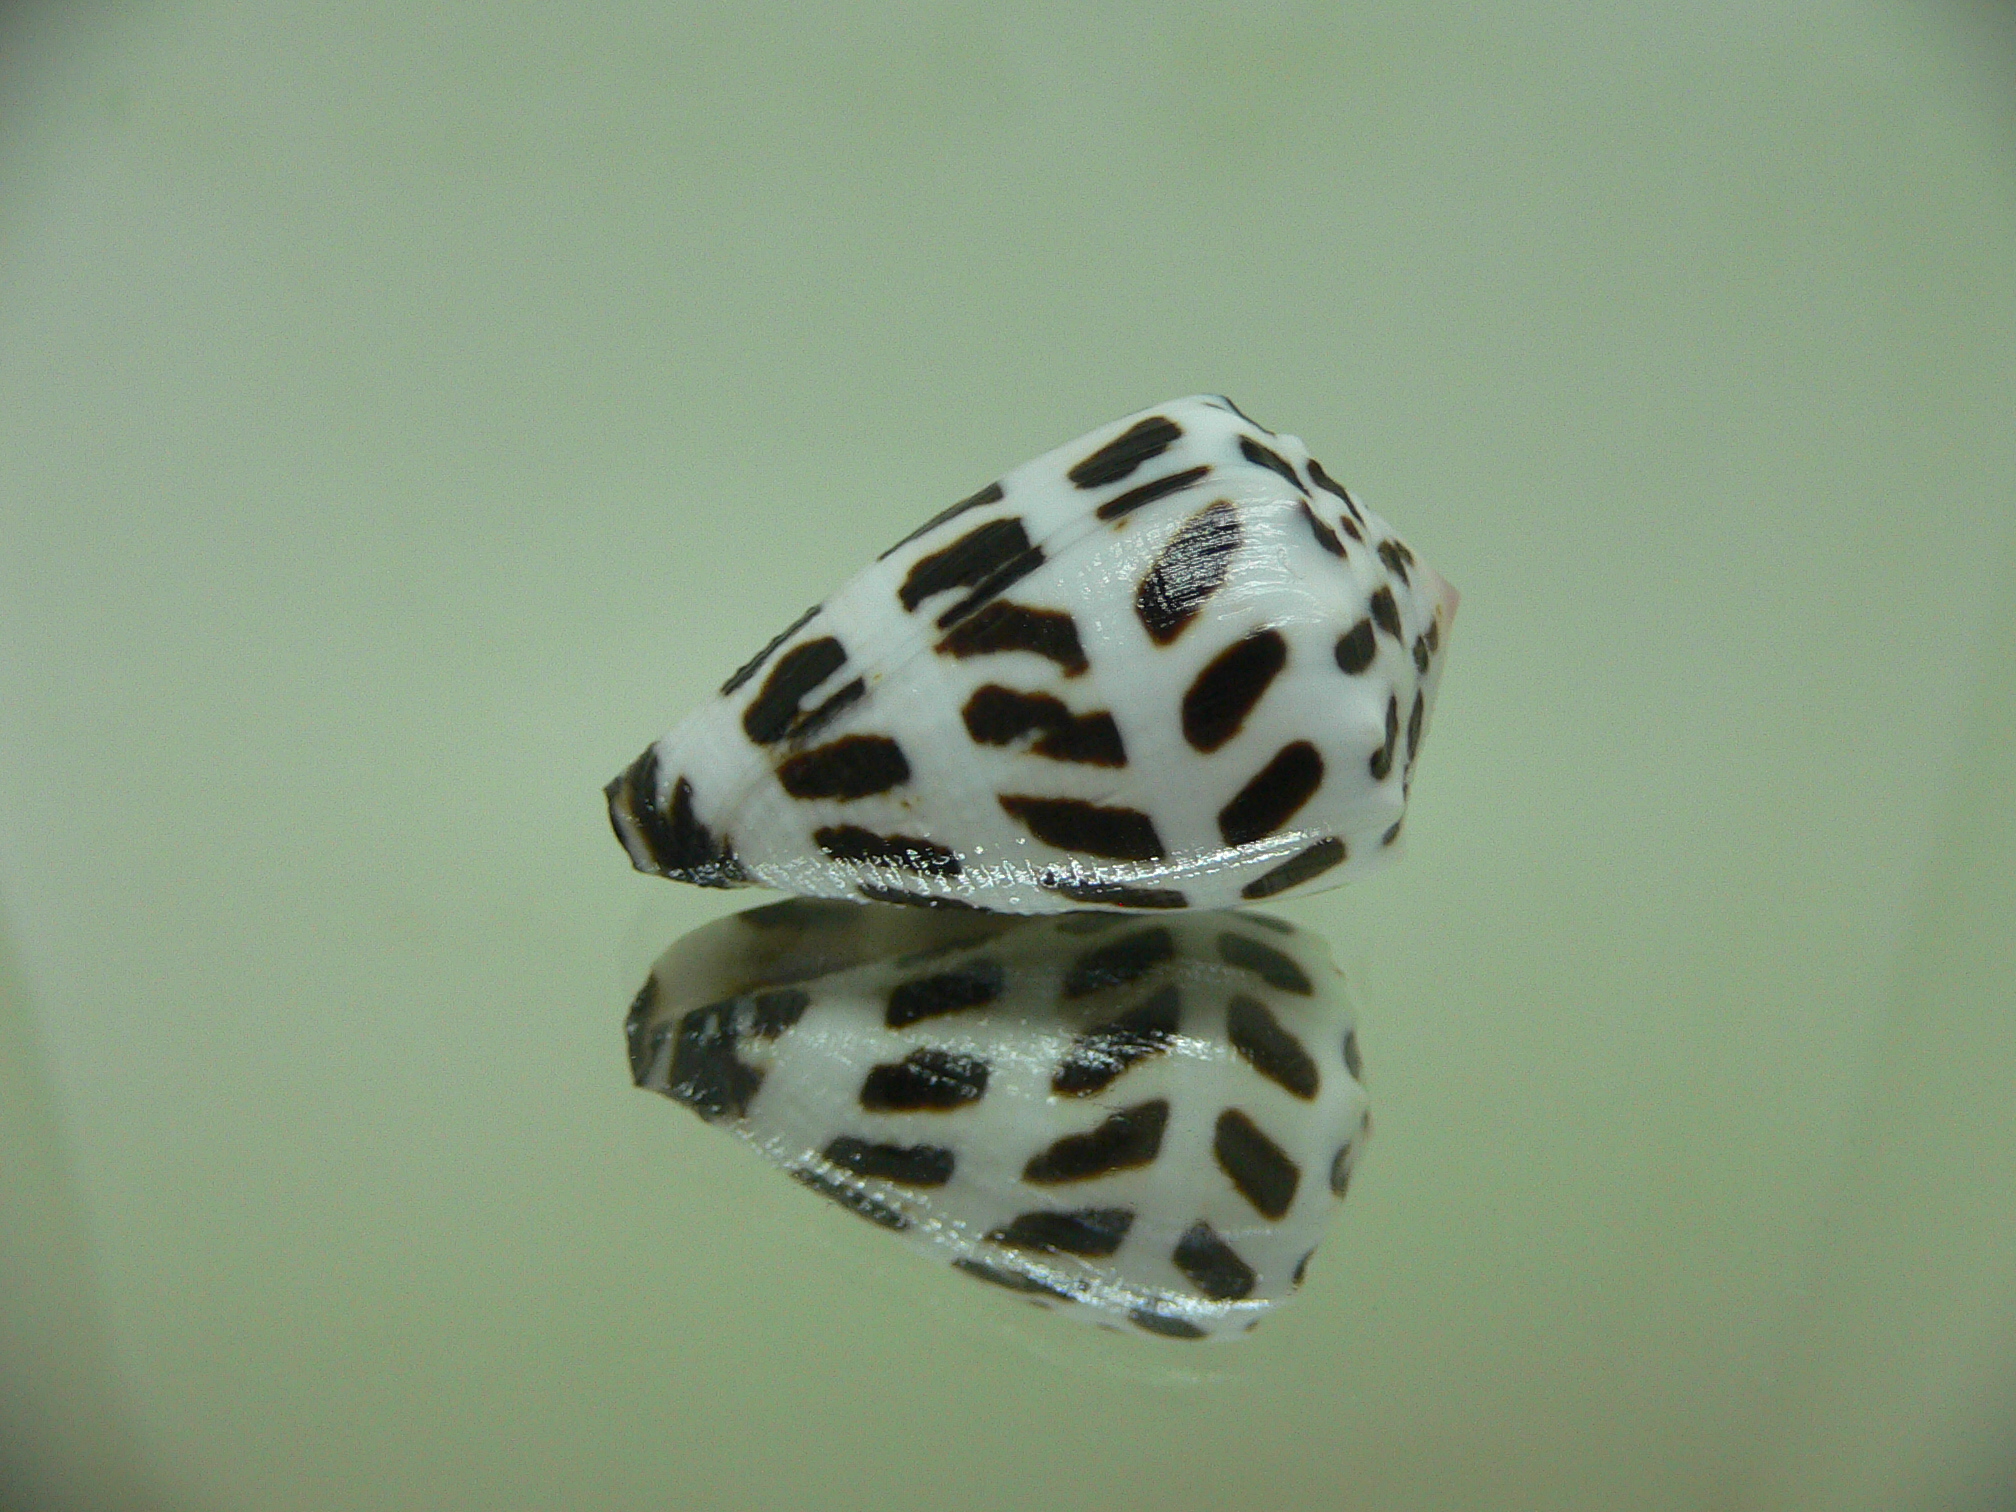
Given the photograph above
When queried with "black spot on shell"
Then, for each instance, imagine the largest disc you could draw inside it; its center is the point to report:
(854, 766)
(1212, 1265)
(1013, 1280)
(926, 1080)
(670, 843)
(1386, 613)
(1004, 626)
(1421, 654)
(1392, 833)
(770, 714)
(1324, 481)
(1168, 1325)
(1092, 1233)
(1414, 726)
(1302, 1267)
(966, 563)
(1120, 456)
(1296, 870)
(850, 842)
(1112, 894)
(1258, 1167)
(852, 1198)
(1269, 1048)
(1231, 684)
(991, 494)
(1123, 1141)
(810, 723)
(1119, 963)
(1325, 536)
(1273, 795)
(1276, 969)
(1225, 401)
(1397, 558)
(1353, 1062)
(749, 668)
(1119, 834)
(905, 1165)
(1382, 759)
(1340, 1171)
(999, 716)
(707, 1075)
(1346, 524)
(1267, 457)
(1356, 647)
(777, 1010)
(1099, 1056)
(1121, 505)
(1189, 570)
(971, 985)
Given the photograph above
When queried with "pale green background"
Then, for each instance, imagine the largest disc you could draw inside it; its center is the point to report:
(407, 411)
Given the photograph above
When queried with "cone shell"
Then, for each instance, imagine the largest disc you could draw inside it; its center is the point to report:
(1171, 665)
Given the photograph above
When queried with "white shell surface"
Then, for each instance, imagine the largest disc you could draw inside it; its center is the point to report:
(1171, 664)
(1142, 1123)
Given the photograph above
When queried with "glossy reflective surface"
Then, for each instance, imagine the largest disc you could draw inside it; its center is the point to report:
(405, 412)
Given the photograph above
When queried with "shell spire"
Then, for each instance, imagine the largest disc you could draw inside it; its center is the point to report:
(1173, 664)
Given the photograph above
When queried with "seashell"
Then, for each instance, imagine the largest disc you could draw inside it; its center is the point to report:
(1170, 665)
(1142, 1123)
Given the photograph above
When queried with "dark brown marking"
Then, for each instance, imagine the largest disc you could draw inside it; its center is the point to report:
(642, 1049)
(1168, 1325)
(707, 1075)
(1112, 894)
(973, 985)
(854, 766)
(1099, 1056)
(1414, 718)
(1225, 400)
(801, 669)
(1421, 654)
(1356, 647)
(1353, 1062)
(1325, 536)
(991, 494)
(882, 892)
(1397, 558)
(1270, 1049)
(749, 668)
(778, 1010)
(1302, 1267)
(1125, 960)
(674, 844)
(1324, 481)
(967, 562)
(906, 1165)
(1275, 793)
(1434, 636)
(1125, 452)
(810, 723)
(1267, 457)
(1002, 626)
(1260, 1168)
(1225, 692)
(1123, 1141)
(1386, 614)
(1340, 1171)
(1350, 527)
(1013, 1280)
(1120, 834)
(1273, 967)
(1382, 759)
(852, 1198)
(1189, 570)
(1093, 1233)
(1392, 833)
(1000, 716)
(850, 842)
(1212, 1265)
(1121, 505)
(1296, 870)
(926, 1080)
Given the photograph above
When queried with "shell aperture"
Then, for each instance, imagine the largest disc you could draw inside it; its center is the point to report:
(1144, 1123)
(1170, 665)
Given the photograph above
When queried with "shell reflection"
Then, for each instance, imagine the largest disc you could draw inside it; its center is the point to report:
(1146, 1124)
